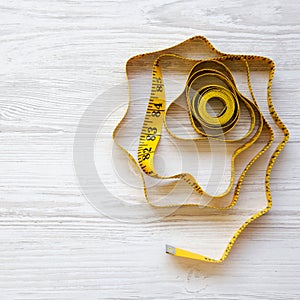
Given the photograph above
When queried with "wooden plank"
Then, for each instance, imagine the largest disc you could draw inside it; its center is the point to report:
(56, 58)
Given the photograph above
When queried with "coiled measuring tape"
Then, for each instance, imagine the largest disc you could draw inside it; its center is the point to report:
(208, 80)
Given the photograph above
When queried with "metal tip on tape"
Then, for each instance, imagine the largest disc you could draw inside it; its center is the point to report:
(170, 249)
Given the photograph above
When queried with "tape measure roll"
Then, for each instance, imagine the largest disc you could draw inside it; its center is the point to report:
(208, 81)
(204, 85)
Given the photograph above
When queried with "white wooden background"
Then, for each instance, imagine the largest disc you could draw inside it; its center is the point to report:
(56, 57)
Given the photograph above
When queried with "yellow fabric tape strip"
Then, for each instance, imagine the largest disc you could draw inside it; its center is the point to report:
(209, 80)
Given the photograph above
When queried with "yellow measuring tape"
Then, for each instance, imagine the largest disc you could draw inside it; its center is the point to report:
(209, 81)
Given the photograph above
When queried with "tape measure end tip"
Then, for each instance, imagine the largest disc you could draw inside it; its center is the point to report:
(170, 250)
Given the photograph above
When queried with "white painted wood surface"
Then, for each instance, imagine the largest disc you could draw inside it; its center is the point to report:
(56, 57)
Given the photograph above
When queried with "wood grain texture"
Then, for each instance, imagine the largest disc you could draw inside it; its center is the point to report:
(56, 57)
